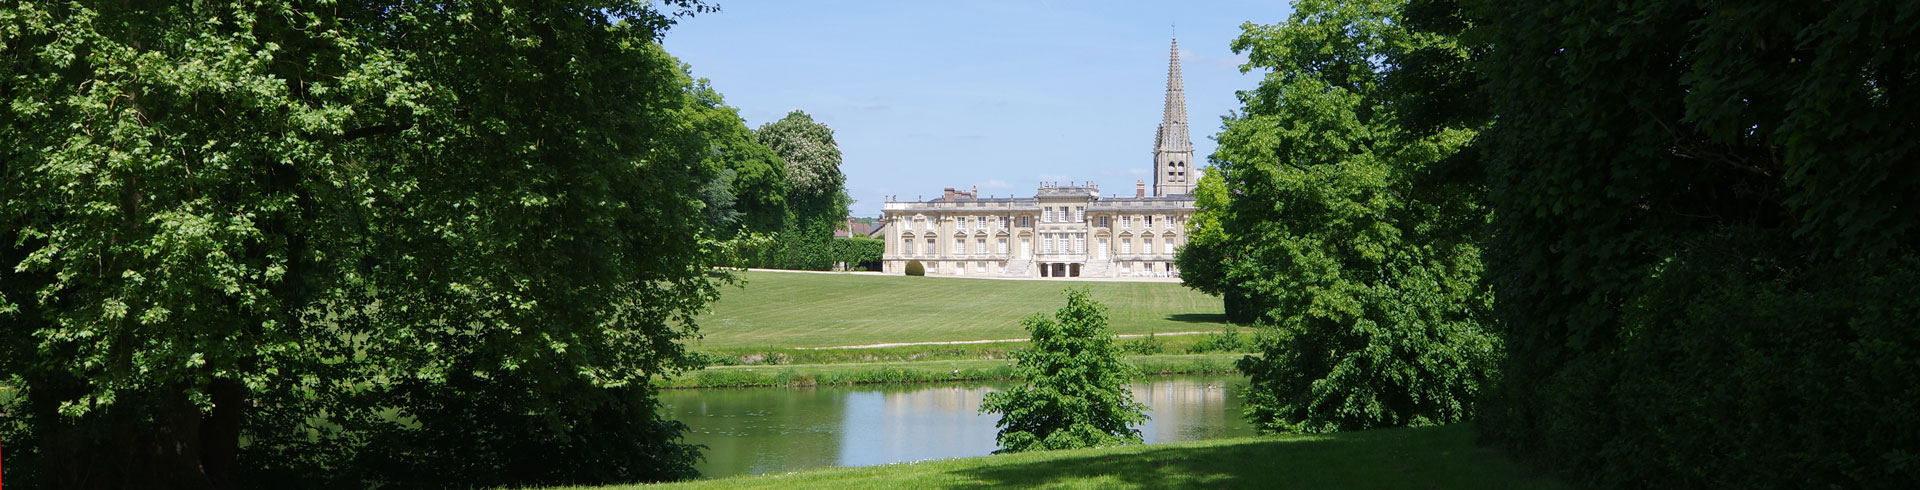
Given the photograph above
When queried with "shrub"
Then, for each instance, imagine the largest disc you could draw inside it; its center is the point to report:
(914, 268)
(859, 253)
(1144, 345)
(1228, 340)
(1076, 384)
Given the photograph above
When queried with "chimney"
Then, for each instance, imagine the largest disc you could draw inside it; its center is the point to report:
(948, 194)
(975, 193)
(1139, 188)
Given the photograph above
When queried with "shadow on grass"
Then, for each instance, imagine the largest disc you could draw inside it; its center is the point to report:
(1198, 317)
(1434, 457)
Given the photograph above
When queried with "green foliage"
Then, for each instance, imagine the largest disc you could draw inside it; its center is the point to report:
(812, 160)
(370, 239)
(816, 196)
(1148, 344)
(1332, 225)
(1075, 394)
(1704, 218)
(750, 197)
(1228, 340)
(1209, 248)
(915, 268)
(859, 253)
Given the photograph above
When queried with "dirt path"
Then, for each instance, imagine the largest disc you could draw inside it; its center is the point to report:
(995, 341)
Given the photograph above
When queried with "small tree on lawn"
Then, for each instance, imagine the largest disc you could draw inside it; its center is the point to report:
(1076, 385)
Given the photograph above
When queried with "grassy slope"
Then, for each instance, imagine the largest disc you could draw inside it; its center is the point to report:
(1434, 457)
(783, 309)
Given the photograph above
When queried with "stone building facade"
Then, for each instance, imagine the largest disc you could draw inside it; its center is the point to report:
(1063, 230)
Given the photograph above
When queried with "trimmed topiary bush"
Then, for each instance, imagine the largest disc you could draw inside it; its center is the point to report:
(915, 269)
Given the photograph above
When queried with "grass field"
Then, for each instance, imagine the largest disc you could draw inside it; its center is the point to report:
(1433, 457)
(791, 310)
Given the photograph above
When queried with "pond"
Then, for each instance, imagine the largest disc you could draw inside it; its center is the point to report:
(775, 430)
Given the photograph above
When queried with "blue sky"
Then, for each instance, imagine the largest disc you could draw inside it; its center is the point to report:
(1002, 95)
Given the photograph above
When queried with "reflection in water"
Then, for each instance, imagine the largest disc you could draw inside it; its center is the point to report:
(769, 430)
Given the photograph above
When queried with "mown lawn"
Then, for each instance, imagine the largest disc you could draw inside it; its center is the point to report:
(785, 309)
(1424, 458)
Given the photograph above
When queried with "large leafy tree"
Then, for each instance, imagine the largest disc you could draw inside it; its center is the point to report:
(1336, 227)
(1209, 248)
(421, 244)
(816, 190)
(1704, 227)
(752, 195)
(1074, 392)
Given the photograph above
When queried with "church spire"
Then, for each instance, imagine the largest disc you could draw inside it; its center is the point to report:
(1173, 150)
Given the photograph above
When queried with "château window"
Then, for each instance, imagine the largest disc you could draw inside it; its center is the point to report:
(1047, 217)
(1103, 222)
(932, 248)
(1126, 246)
(1080, 243)
(1079, 214)
(960, 246)
(980, 246)
(907, 244)
(1046, 243)
(1148, 223)
(963, 223)
(1146, 246)
(1126, 222)
(1003, 246)
(1102, 249)
(1003, 222)
(1026, 221)
(979, 223)
(980, 267)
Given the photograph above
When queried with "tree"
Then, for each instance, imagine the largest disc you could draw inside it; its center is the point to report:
(1702, 238)
(1343, 235)
(1209, 248)
(1075, 384)
(751, 195)
(816, 190)
(387, 244)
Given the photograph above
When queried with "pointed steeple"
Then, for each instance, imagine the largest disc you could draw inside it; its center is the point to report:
(1173, 150)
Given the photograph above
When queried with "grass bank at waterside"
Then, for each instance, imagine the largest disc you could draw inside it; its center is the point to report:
(917, 371)
(1431, 457)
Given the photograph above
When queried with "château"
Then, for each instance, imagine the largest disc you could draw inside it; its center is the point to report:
(1063, 230)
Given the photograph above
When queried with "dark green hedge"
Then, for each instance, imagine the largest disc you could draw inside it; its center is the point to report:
(859, 253)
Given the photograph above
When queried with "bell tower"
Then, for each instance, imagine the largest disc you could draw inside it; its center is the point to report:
(1172, 150)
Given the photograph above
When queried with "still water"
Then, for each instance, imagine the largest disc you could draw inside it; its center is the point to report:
(772, 430)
